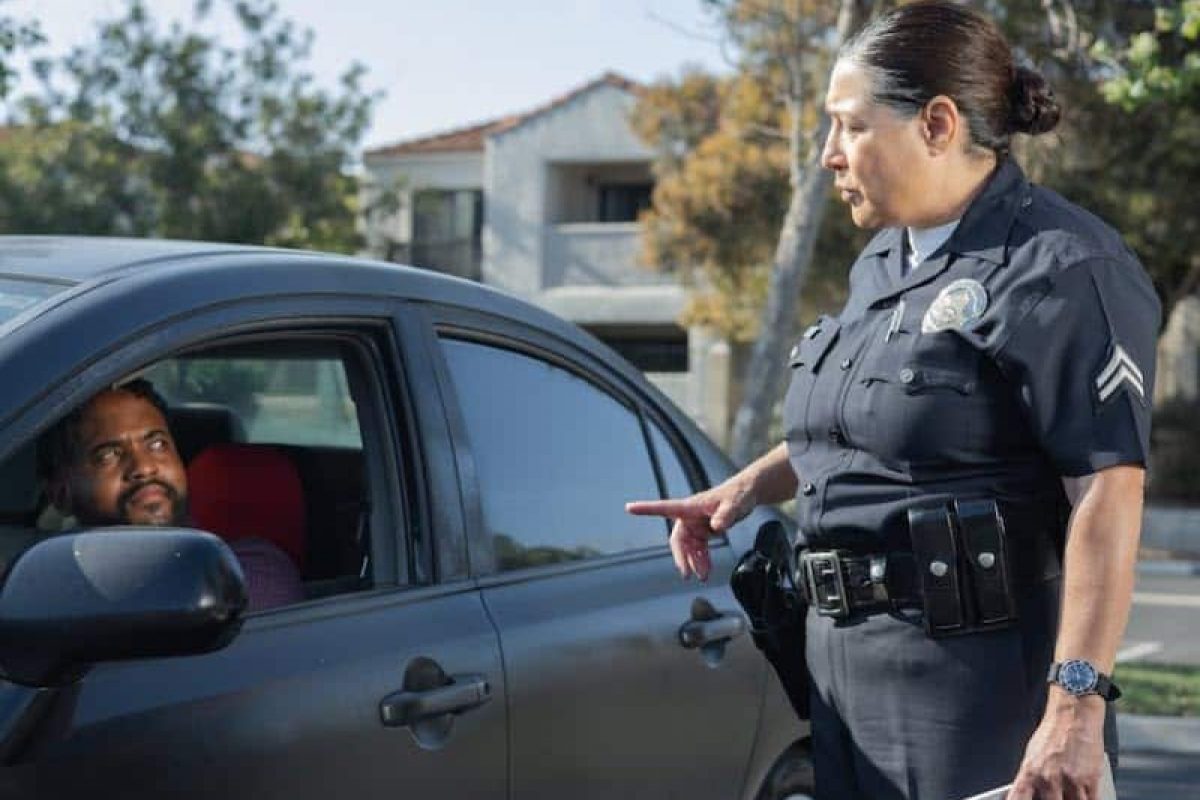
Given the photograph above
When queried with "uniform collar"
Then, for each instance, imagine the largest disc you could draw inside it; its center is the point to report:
(985, 226)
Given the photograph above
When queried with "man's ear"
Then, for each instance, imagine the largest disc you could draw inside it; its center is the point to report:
(58, 490)
(941, 124)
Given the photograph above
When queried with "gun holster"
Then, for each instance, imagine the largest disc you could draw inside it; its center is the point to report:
(963, 567)
(764, 585)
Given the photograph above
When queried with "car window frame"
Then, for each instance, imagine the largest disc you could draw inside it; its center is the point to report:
(487, 329)
(385, 417)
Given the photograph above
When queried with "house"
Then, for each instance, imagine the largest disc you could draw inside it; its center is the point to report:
(544, 205)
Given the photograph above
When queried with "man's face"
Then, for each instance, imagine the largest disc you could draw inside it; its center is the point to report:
(126, 470)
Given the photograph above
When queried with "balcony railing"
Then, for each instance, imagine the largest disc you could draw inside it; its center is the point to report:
(594, 254)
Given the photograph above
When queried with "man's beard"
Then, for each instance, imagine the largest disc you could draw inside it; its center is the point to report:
(178, 517)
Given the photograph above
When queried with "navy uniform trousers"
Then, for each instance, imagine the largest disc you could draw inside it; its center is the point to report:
(1020, 353)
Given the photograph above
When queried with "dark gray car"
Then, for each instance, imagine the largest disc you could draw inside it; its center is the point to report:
(480, 617)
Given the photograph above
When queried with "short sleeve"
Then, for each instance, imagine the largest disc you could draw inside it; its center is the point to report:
(1083, 360)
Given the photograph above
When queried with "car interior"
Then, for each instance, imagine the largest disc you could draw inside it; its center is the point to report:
(268, 432)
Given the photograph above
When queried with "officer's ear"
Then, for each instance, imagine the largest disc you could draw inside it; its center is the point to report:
(941, 125)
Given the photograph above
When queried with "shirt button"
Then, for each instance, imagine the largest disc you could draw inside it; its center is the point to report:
(846, 363)
(907, 375)
(835, 435)
(807, 489)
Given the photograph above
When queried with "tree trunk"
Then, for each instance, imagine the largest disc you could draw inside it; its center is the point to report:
(793, 254)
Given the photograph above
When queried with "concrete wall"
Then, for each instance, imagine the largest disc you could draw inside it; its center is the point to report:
(1179, 354)
(591, 128)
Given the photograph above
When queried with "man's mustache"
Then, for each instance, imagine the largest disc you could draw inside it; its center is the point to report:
(126, 497)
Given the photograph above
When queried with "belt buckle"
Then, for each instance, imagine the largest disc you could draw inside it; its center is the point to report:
(824, 583)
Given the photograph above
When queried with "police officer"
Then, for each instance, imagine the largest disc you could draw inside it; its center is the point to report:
(965, 441)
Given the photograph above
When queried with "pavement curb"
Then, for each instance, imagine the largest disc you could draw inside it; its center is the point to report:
(1174, 569)
(1145, 734)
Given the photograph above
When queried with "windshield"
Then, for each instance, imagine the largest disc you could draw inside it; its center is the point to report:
(18, 295)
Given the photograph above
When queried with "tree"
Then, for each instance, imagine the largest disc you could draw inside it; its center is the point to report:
(741, 193)
(172, 133)
(15, 37)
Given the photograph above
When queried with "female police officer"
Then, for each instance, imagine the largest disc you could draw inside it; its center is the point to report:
(965, 441)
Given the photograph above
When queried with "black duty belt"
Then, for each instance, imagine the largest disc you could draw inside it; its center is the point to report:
(960, 571)
(837, 583)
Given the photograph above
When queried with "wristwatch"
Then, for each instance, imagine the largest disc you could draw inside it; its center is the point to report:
(1079, 677)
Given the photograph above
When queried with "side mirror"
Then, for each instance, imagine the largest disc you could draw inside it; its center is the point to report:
(113, 594)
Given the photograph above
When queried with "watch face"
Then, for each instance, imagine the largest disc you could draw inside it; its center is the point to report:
(1077, 677)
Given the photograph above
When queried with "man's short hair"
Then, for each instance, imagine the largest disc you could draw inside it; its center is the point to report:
(59, 445)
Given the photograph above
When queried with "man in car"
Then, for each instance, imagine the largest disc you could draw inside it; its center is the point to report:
(113, 461)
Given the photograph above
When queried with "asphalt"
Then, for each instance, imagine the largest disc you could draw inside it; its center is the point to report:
(1179, 736)
(1144, 734)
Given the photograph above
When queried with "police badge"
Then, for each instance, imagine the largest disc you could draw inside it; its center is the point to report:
(961, 302)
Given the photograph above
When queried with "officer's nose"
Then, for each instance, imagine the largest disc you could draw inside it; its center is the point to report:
(832, 157)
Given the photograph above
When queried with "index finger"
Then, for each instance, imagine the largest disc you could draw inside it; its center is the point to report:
(664, 508)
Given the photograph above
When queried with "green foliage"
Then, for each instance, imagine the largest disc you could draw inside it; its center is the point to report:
(1158, 690)
(1159, 65)
(173, 132)
(15, 37)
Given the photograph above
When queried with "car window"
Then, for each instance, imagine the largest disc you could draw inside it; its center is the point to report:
(675, 479)
(557, 459)
(268, 436)
(285, 400)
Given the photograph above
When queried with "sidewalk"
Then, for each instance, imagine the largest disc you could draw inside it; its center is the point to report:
(1169, 568)
(1143, 734)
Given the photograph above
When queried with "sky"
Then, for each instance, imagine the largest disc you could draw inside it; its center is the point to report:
(448, 63)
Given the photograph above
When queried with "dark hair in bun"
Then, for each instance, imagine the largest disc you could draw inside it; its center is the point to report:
(1034, 108)
(918, 51)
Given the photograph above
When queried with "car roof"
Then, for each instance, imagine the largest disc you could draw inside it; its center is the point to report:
(89, 261)
(76, 259)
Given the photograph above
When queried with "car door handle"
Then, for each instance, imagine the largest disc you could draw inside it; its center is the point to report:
(463, 693)
(700, 632)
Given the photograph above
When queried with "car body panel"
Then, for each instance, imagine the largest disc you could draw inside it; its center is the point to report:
(573, 654)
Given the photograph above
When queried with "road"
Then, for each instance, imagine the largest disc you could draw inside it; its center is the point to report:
(1152, 776)
(1163, 624)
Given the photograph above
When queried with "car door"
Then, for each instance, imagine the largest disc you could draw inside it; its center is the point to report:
(393, 687)
(605, 697)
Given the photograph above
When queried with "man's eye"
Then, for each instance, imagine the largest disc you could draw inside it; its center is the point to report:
(107, 455)
(159, 445)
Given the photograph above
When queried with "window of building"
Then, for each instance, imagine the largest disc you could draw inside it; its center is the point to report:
(557, 459)
(622, 202)
(447, 231)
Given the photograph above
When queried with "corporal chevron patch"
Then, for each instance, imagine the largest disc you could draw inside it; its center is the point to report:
(1121, 370)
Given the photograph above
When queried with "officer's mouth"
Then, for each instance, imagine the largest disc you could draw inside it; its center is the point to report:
(850, 197)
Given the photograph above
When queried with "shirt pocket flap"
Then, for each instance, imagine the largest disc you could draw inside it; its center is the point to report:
(918, 377)
(815, 343)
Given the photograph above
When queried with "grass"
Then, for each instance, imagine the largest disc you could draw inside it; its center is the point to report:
(1158, 689)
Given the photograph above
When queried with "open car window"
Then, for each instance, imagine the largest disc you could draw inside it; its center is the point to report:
(269, 433)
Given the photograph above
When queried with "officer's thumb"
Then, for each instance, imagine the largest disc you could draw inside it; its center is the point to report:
(723, 517)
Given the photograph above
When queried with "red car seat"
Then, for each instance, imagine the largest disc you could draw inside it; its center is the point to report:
(239, 491)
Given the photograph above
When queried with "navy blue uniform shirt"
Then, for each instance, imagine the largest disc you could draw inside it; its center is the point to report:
(1022, 351)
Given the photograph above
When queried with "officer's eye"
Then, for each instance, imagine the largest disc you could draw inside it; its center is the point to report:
(159, 444)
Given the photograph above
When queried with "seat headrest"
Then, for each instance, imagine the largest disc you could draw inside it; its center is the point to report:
(238, 491)
(194, 426)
